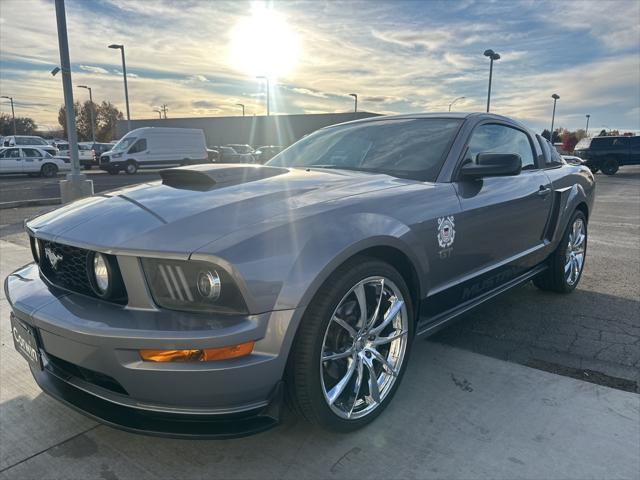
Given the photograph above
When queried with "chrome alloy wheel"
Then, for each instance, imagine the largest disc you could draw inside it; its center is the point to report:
(574, 260)
(364, 347)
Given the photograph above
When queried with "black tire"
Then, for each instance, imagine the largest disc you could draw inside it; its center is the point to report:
(554, 279)
(594, 170)
(131, 167)
(609, 166)
(49, 170)
(305, 390)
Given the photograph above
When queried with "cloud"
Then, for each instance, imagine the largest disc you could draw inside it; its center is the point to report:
(92, 69)
(306, 91)
(199, 78)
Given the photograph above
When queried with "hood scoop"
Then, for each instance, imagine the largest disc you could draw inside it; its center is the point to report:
(207, 177)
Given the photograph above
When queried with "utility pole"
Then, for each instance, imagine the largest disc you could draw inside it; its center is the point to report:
(93, 117)
(126, 88)
(13, 113)
(164, 110)
(492, 56)
(555, 97)
(76, 185)
(586, 130)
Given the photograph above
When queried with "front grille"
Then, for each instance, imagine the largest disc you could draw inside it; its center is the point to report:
(68, 267)
(68, 369)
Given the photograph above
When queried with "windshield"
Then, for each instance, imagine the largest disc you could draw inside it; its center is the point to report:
(406, 148)
(583, 144)
(123, 144)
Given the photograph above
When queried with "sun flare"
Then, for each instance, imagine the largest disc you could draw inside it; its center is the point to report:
(264, 44)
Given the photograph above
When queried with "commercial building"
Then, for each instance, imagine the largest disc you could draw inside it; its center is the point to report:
(254, 130)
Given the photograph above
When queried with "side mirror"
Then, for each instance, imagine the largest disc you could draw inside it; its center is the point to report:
(493, 165)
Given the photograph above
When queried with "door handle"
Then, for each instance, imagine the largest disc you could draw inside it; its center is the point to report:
(543, 191)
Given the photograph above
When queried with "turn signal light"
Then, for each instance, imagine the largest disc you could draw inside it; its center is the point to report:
(198, 355)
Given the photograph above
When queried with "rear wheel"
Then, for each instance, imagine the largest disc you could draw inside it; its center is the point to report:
(131, 167)
(567, 262)
(352, 347)
(49, 170)
(609, 166)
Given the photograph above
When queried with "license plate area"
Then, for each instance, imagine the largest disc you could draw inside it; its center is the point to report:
(25, 341)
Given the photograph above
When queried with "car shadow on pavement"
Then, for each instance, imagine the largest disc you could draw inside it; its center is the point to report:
(588, 335)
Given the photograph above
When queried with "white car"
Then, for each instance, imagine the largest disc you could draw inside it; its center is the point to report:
(32, 161)
(29, 141)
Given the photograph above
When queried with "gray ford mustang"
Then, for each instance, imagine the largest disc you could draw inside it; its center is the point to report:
(193, 306)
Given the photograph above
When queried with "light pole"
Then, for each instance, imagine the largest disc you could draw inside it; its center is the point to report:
(93, 118)
(262, 77)
(586, 130)
(493, 56)
(555, 97)
(241, 105)
(455, 100)
(355, 100)
(124, 74)
(13, 113)
(76, 185)
(159, 113)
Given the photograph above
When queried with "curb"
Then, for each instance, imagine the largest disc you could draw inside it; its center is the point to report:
(30, 203)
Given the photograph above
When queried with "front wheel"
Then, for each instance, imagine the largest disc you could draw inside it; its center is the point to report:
(131, 167)
(352, 346)
(567, 262)
(49, 170)
(609, 166)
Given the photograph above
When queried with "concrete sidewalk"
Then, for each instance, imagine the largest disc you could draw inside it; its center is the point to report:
(457, 415)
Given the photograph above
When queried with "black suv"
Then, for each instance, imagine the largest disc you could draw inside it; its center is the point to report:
(609, 153)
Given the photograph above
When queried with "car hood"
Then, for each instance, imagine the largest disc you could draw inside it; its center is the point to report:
(179, 218)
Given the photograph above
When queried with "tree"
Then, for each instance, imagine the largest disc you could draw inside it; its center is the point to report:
(24, 125)
(546, 134)
(106, 116)
(569, 140)
(556, 137)
(603, 133)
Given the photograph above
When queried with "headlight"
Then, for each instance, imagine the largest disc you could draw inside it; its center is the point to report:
(35, 248)
(100, 273)
(192, 286)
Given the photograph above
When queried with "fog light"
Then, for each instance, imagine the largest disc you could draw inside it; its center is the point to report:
(198, 355)
(209, 285)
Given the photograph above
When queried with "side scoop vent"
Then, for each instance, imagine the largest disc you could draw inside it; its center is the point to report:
(207, 177)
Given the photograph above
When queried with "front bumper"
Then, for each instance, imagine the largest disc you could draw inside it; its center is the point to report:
(90, 352)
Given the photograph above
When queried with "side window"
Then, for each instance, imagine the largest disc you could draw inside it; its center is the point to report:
(493, 138)
(601, 142)
(621, 142)
(12, 153)
(139, 146)
(551, 156)
(31, 153)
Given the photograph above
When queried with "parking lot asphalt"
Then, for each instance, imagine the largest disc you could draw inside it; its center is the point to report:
(459, 413)
(22, 188)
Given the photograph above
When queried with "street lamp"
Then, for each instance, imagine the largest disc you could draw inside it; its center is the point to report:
(93, 118)
(124, 74)
(455, 100)
(159, 113)
(241, 105)
(493, 56)
(586, 130)
(355, 99)
(13, 113)
(262, 77)
(555, 97)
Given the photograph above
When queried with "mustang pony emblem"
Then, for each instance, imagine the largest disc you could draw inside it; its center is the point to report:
(53, 257)
(446, 231)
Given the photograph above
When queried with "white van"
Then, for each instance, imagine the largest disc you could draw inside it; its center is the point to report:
(155, 147)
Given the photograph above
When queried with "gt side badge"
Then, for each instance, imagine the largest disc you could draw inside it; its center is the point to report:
(446, 235)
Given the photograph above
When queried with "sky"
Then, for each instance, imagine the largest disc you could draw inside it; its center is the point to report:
(201, 58)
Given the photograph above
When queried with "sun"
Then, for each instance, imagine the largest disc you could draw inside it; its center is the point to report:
(264, 44)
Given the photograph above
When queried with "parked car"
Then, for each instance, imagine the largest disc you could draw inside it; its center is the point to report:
(608, 154)
(89, 153)
(191, 305)
(229, 154)
(155, 147)
(241, 148)
(29, 141)
(267, 152)
(32, 161)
